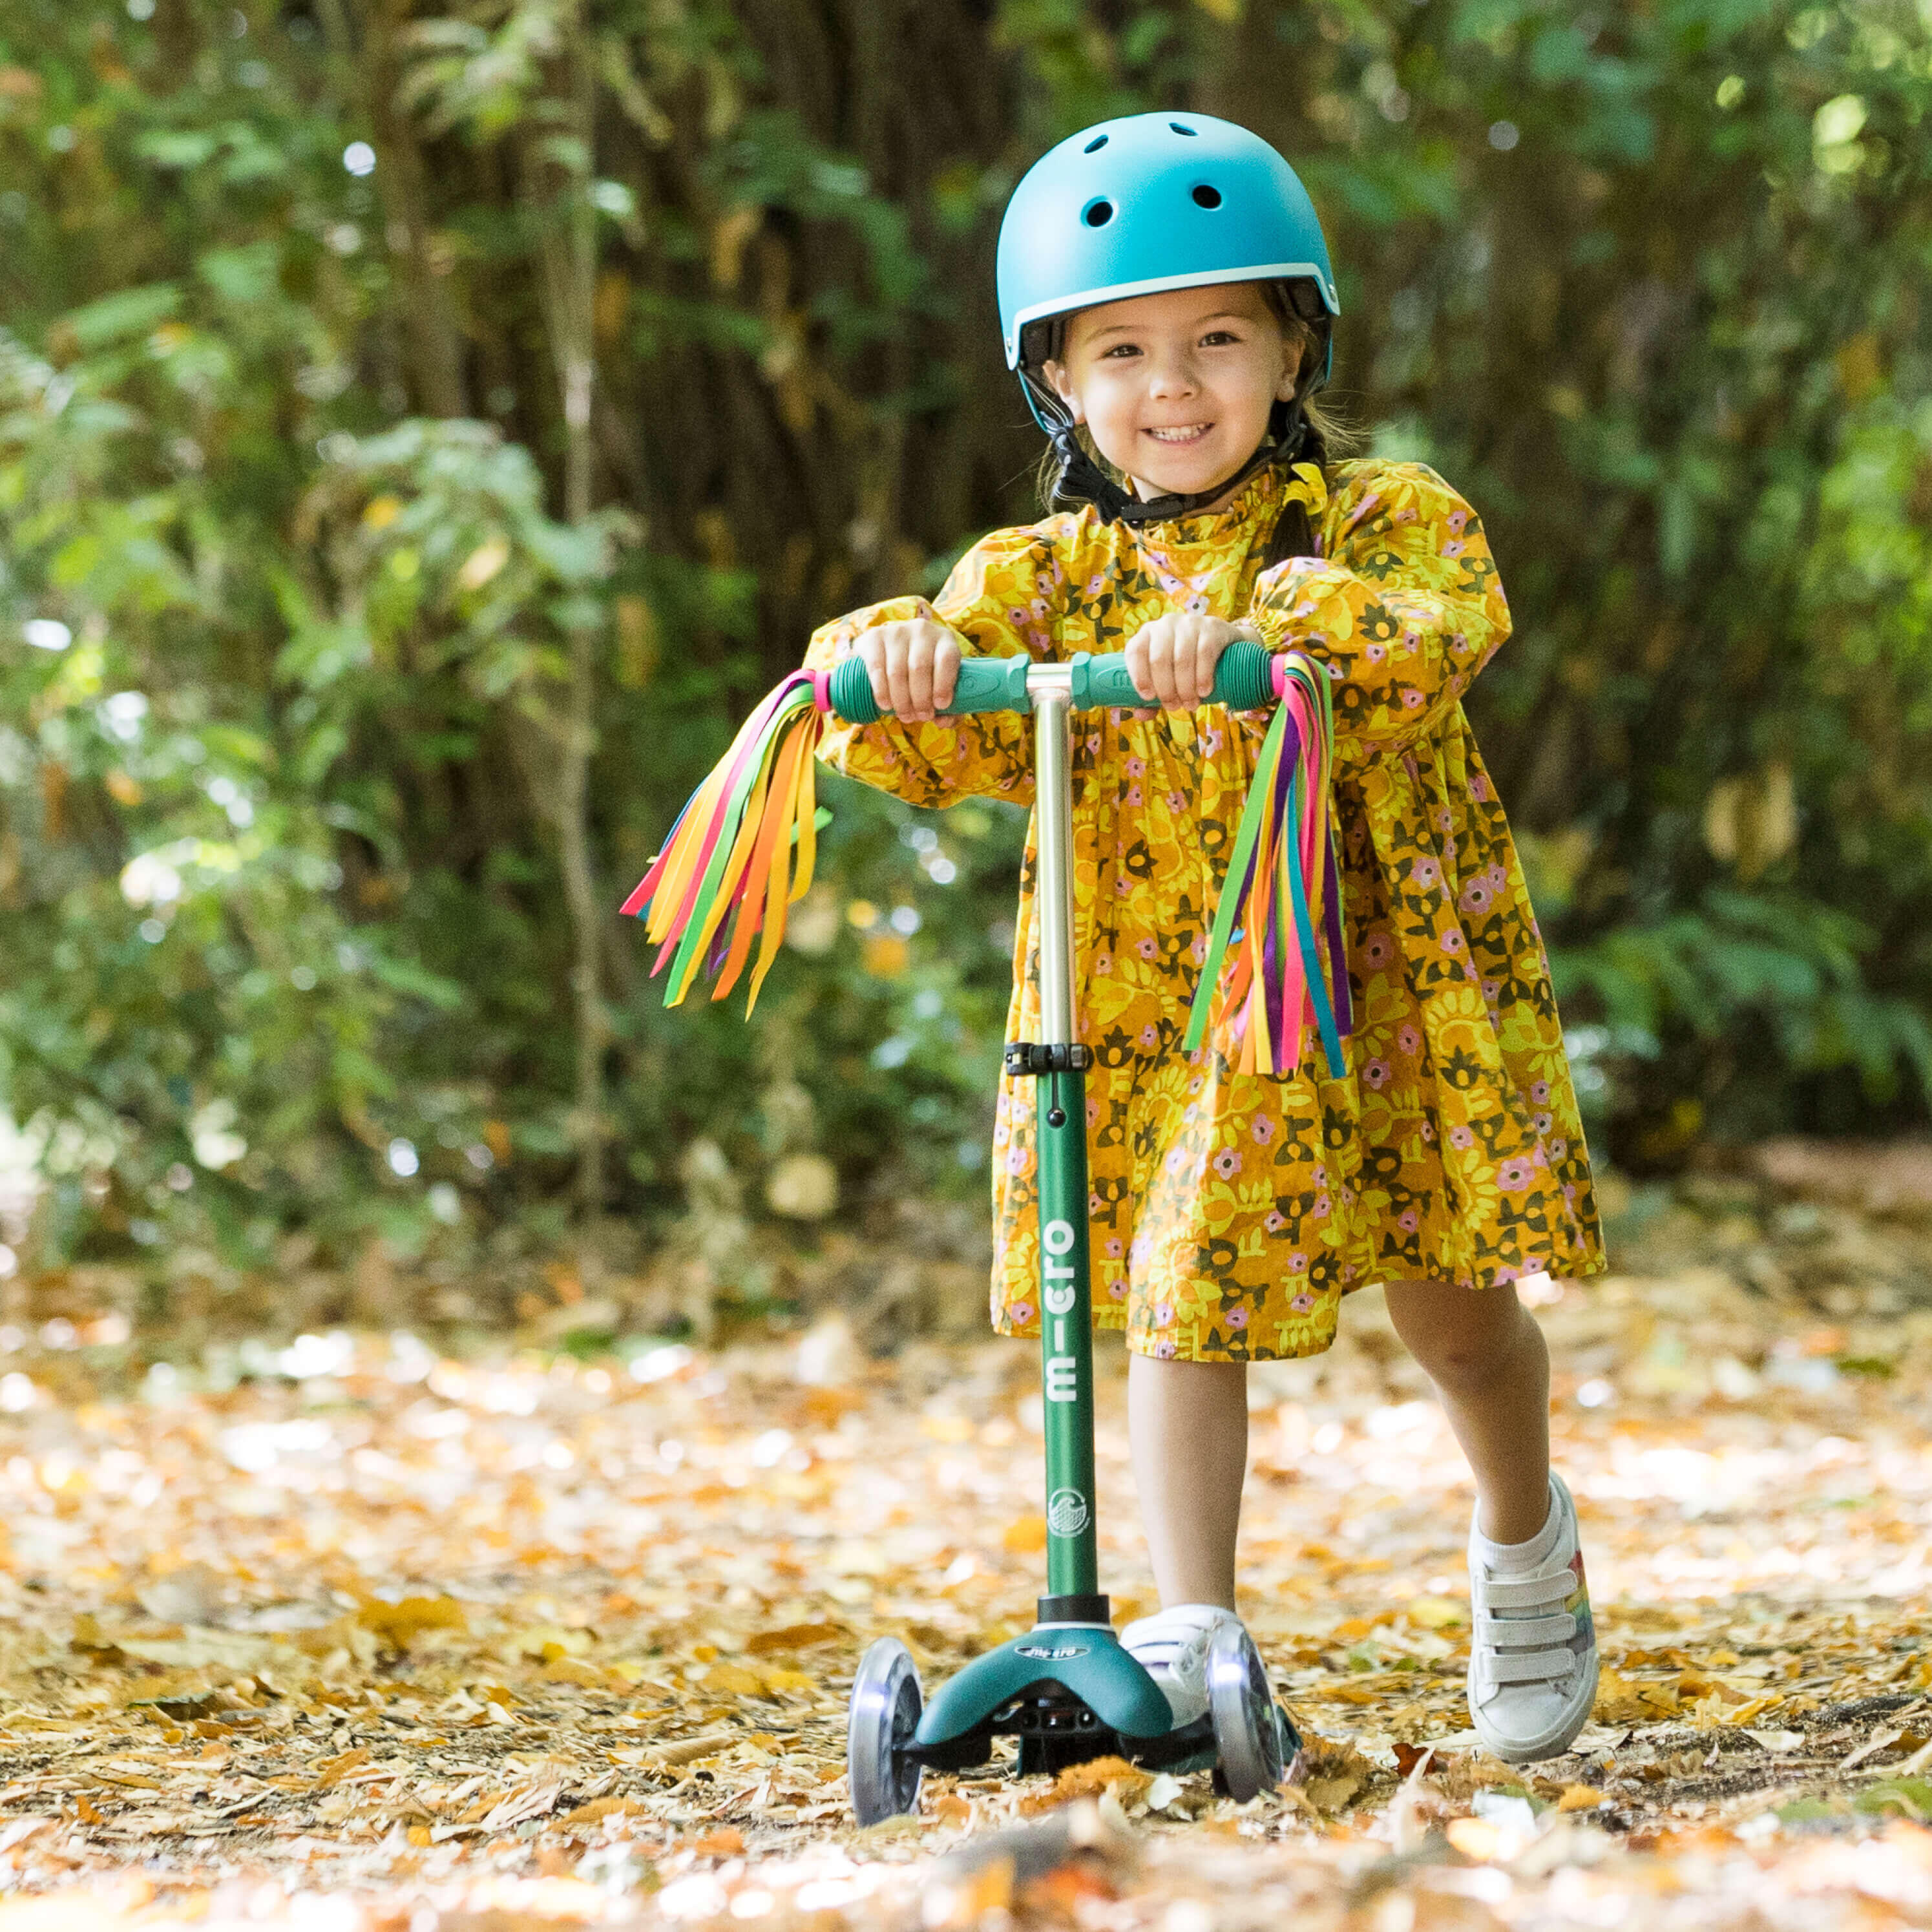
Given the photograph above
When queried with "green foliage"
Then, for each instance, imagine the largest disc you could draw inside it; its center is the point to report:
(288, 825)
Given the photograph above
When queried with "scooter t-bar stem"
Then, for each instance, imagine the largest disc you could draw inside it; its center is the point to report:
(1243, 678)
(1060, 1115)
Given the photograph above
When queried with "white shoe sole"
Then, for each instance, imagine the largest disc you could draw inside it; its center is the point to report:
(1552, 1743)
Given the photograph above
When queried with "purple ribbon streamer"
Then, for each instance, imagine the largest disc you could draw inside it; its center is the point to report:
(1274, 976)
(1291, 750)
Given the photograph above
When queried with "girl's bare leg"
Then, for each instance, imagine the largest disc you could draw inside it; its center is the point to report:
(1484, 1351)
(1187, 1433)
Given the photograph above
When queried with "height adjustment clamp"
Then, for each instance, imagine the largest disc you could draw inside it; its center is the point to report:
(1028, 1059)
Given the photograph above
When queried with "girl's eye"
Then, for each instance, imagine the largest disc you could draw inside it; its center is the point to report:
(1120, 348)
(1219, 335)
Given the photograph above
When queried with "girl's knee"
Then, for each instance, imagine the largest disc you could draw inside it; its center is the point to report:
(1463, 1369)
(1462, 1338)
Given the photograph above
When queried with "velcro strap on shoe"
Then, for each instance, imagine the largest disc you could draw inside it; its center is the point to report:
(1527, 1593)
(1518, 1632)
(1155, 1641)
(1535, 1666)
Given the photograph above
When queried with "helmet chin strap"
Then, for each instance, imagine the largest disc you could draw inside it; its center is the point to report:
(1082, 480)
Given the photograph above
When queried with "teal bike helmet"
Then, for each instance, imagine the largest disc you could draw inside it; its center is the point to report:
(1137, 206)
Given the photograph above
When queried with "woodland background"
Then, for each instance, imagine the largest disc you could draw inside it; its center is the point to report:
(425, 431)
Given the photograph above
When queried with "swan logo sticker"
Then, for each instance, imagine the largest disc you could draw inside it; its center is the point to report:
(1067, 1513)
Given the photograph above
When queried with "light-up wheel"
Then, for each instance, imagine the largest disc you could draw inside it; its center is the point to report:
(886, 1701)
(1248, 1739)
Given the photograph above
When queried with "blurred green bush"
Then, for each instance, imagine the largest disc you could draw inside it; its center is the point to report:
(424, 433)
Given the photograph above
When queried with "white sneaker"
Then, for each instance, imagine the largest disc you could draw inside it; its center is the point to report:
(1172, 1645)
(1532, 1645)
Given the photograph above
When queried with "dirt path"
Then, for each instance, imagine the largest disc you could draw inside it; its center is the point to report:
(371, 1637)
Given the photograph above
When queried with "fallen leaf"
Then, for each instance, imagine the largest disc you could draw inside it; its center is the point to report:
(687, 1750)
(536, 1800)
(1621, 1699)
(732, 1680)
(793, 1636)
(1331, 1794)
(1475, 1838)
(1025, 1536)
(398, 1623)
(336, 1768)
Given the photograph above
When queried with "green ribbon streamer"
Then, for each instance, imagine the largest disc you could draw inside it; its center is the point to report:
(1260, 786)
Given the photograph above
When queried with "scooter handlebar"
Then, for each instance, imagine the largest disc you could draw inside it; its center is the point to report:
(1244, 680)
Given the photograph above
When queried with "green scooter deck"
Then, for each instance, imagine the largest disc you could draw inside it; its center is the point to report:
(1088, 1659)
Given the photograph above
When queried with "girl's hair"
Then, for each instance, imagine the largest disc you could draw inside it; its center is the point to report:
(1330, 435)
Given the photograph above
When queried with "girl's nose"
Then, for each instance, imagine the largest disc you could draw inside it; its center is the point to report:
(1171, 376)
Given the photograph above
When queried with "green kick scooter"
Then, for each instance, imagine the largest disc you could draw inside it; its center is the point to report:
(1067, 1691)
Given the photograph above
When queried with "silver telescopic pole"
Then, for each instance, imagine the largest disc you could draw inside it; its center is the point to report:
(1066, 1345)
(1053, 804)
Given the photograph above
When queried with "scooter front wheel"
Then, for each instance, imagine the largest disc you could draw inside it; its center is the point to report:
(886, 1701)
(1247, 1738)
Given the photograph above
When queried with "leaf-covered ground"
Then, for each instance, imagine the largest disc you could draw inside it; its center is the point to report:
(351, 1633)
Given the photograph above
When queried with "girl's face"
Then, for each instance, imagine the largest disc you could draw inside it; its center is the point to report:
(1176, 388)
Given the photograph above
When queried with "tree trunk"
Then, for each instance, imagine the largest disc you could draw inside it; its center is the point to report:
(429, 316)
(569, 281)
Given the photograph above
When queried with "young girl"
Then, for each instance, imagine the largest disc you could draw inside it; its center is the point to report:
(1168, 302)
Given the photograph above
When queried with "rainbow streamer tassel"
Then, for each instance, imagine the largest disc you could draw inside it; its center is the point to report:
(725, 875)
(1283, 885)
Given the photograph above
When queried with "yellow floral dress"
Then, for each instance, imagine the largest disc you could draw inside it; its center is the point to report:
(1231, 1212)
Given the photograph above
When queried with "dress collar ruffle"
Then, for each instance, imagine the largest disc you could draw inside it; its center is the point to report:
(1261, 499)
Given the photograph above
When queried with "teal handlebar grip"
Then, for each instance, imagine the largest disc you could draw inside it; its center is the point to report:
(984, 684)
(851, 692)
(1103, 682)
(1243, 680)
(1244, 677)
(991, 684)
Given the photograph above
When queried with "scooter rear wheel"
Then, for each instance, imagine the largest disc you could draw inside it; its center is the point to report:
(886, 1701)
(1247, 1740)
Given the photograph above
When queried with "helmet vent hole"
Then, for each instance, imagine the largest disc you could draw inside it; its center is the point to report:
(1205, 196)
(1098, 214)
(1094, 147)
(1179, 129)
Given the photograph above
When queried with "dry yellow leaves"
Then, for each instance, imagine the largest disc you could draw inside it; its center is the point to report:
(397, 1624)
(793, 1636)
(1025, 1535)
(1621, 1699)
(528, 1620)
(1579, 1798)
